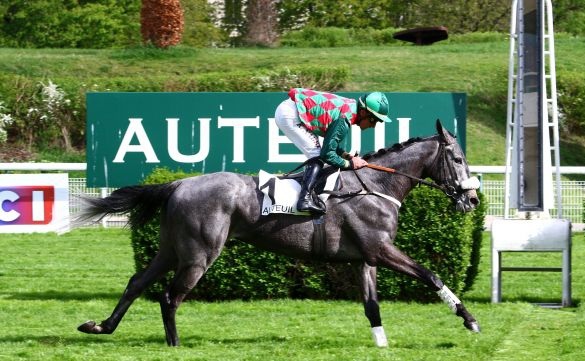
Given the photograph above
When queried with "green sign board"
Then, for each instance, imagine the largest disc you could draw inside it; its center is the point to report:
(130, 134)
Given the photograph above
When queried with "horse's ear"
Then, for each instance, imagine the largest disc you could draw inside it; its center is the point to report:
(443, 133)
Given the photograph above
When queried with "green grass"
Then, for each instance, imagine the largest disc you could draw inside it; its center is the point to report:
(473, 68)
(50, 284)
(448, 67)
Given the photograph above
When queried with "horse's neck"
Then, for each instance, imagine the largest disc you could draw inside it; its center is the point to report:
(416, 159)
(413, 161)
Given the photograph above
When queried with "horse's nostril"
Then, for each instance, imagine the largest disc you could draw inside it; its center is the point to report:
(474, 201)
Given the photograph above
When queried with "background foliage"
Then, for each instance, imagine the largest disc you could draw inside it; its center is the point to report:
(571, 99)
(30, 125)
(92, 24)
(109, 23)
(59, 122)
(429, 230)
(473, 63)
(69, 24)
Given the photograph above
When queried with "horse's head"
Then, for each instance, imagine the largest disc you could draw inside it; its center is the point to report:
(451, 172)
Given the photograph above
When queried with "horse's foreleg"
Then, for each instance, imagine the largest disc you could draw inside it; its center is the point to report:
(392, 258)
(136, 285)
(182, 284)
(371, 307)
(458, 308)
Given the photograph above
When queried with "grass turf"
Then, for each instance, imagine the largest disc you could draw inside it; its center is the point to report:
(50, 284)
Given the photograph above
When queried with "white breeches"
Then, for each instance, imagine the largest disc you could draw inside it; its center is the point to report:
(288, 121)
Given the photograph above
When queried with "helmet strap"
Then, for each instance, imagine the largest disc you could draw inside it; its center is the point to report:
(362, 103)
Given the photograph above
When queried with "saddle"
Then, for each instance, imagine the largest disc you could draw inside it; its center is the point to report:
(281, 192)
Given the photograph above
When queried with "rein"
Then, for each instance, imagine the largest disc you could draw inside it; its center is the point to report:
(449, 190)
(394, 171)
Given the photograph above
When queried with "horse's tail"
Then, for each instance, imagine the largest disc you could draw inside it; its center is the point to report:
(142, 202)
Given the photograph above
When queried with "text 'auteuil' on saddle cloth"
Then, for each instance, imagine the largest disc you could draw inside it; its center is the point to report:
(281, 195)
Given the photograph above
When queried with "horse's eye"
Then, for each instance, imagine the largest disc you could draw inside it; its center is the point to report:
(458, 160)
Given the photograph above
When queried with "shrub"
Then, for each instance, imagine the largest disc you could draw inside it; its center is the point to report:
(200, 30)
(243, 273)
(572, 18)
(5, 120)
(42, 113)
(478, 37)
(430, 231)
(61, 24)
(97, 26)
(21, 94)
(478, 216)
(571, 99)
(313, 37)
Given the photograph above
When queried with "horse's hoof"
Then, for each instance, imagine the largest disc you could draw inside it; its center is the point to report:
(89, 327)
(472, 326)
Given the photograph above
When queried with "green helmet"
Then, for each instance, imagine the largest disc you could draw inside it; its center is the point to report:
(377, 104)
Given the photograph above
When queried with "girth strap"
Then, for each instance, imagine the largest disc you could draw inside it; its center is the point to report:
(385, 196)
(319, 246)
(364, 191)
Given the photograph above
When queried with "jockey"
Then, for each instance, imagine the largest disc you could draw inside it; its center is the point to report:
(308, 114)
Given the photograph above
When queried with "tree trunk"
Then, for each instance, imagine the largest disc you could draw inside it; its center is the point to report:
(262, 19)
(66, 138)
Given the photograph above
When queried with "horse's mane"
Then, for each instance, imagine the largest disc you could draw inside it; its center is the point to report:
(396, 147)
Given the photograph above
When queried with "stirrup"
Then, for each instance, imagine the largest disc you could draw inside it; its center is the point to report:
(313, 209)
(309, 205)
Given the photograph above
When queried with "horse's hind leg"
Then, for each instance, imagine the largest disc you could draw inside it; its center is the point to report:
(136, 285)
(392, 258)
(371, 307)
(184, 281)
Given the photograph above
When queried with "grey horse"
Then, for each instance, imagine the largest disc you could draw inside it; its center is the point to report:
(199, 214)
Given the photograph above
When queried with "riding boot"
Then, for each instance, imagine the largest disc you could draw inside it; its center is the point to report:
(306, 202)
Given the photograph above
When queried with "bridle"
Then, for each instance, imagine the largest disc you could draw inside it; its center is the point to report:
(446, 171)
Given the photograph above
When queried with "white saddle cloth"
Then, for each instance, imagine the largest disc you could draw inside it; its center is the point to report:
(281, 195)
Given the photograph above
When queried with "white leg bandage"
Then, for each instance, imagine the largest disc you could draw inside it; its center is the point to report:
(449, 298)
(379, 336)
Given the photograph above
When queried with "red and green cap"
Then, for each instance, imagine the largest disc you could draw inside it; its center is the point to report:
(377, 104)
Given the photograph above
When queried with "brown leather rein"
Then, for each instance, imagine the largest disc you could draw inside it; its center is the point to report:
(449, 192)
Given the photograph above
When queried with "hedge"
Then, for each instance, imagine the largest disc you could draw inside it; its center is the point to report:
(327, 37)
(430, 231)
